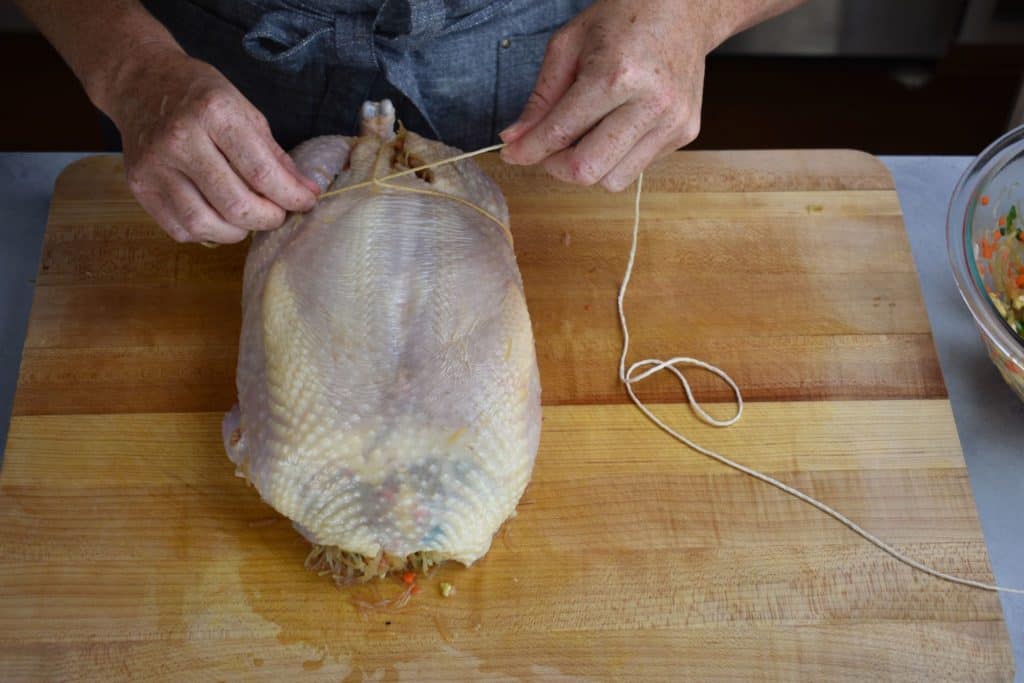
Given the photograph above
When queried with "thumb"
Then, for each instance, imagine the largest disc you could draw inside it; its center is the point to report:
(557, 73)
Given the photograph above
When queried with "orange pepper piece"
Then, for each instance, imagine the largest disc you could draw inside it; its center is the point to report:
(987, 248)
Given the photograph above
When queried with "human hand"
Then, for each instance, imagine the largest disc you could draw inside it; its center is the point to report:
(200, 158)
(623, 81)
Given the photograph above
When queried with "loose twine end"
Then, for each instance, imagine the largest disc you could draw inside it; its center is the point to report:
(631, 376)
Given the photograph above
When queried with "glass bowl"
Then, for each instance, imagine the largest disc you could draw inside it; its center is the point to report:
(991, 184)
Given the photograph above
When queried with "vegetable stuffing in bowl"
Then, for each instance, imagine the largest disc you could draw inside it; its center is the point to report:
(986, 250)
(998, 257)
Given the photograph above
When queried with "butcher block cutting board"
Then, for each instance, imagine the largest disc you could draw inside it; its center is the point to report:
(130, 551)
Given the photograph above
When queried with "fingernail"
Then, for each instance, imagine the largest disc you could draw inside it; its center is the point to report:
(510, 133)
(313, 186)
(504, 155)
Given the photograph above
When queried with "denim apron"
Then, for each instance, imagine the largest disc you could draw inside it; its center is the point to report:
(457, 70)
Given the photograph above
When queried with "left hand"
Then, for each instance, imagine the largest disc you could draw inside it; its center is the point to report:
(623, 81)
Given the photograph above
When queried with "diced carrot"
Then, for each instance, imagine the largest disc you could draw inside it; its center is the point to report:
(987, 248)
(408, 577)
(996, 235)
(984, 200)
(1002, 222)
(414, 590)
(1019, 281)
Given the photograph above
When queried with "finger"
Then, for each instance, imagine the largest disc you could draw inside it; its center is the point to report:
(572, 116)
(604, 147)
(190, 216)
(251, 149)
(227, 192)
(150, 191)
(557, 72)
(306, 180)
(653, 145)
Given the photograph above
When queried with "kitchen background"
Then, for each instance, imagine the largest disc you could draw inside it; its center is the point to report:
(907, 77)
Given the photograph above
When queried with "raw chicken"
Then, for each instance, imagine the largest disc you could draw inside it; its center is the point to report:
(389, 400)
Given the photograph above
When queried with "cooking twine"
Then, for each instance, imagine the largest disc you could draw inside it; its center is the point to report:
(381, 181)
(643, 369)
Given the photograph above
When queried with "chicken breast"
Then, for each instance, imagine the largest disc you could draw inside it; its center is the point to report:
(388, 393)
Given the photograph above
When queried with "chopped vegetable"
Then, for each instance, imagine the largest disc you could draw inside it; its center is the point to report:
(348, 568)
(984, 200)
(998, 304)
(447, 589)
(408, 577)
(1001, 264)
(988, 248)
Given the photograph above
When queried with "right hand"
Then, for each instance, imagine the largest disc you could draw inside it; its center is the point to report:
(200, 158)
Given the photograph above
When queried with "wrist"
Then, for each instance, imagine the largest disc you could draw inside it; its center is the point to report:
(111, 49)
(722, 20)
(124, 67)
(107, 43)
(726, 18)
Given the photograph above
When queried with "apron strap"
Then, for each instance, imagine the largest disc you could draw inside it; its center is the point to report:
(370, 41)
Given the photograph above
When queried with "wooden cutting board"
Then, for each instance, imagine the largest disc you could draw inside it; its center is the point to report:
(128, 550)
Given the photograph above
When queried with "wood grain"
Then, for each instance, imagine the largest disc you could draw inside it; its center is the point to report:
(149, 556)
(130, 551)
(794, 275)
(757, 652)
